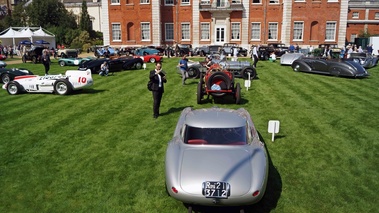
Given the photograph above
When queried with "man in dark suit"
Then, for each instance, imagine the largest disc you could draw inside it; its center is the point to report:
(158, 77)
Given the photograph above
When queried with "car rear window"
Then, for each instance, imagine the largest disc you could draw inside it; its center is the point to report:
(218, 136)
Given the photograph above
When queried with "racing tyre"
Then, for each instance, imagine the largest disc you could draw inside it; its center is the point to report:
(62, 64)
(237, 93)
(193, 72)
(246, 71)
(200, 94)
(14, 88)
(34, 59)
(152, 60)
(23, 59)
(5, 78)
(62, 87)
(221, 79)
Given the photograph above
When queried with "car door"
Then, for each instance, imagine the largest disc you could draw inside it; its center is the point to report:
(115, 65)
(320, 65)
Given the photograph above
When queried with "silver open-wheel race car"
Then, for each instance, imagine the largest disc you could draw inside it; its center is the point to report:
(218, 82)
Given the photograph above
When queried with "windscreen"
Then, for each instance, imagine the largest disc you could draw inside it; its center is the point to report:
(220, 136)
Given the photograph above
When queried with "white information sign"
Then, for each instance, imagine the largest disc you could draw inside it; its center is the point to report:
(273, 127)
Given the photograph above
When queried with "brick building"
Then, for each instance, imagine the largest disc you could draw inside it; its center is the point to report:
(245, 22)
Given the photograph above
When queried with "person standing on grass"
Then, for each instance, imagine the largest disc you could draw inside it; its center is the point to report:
(158, 77)
(255, 55)
(46, 61)
(183, 66)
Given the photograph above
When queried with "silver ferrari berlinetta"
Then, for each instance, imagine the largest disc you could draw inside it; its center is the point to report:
(216, 158)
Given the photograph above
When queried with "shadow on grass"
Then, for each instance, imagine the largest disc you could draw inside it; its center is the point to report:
(173, 110)
(86, 91)
(227, 99)
(268, 202)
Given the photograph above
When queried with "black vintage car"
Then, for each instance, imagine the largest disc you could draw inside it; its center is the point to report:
(8, 74)
(34, 54)
(117, 64)
(335, 67)
(183, 49)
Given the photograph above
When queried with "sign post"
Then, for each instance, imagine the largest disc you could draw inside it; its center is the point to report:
(273, 127)
(248, 81)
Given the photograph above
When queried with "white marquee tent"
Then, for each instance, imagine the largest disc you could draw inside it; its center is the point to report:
(14, 35)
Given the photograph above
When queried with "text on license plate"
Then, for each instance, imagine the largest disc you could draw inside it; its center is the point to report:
(216, 189)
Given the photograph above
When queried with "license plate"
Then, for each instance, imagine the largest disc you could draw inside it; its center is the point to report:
(216, 189)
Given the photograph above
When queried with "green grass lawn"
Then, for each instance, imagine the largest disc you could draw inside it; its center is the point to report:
(100, 150)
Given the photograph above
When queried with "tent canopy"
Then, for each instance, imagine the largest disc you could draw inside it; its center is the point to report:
(16, 35)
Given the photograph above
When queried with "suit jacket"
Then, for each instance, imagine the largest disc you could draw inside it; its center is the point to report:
(155, 79)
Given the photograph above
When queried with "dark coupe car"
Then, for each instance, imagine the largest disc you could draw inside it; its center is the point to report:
(7, 75)
(335, 67)
(117, 64)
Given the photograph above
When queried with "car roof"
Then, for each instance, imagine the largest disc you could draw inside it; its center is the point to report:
(215, 118)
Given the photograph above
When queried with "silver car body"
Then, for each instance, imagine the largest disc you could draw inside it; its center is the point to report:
(216, 147)
(289, 58)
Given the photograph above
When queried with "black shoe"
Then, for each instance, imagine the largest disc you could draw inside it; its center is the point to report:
(155, 116)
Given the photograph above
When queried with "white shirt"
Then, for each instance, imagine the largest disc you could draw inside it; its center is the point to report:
(160, 79)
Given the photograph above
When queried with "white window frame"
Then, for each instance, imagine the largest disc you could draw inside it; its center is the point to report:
(235, 29)
(185, 32)
(144, 1)
(184, 2)
(205, 2)
(205, 31)
(169, 31)
(352, 37)
(330, 30)
(115, 2)
(270, 25)
(116, 33)
(236, 2)
(376, 15)
(145, 31)
(260, 2)
(255, 31)
(298, 30)
(332, 0)
(169, 2)
(355, 15)
(299, 0)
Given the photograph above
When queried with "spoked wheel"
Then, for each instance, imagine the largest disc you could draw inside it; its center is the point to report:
(62, 87)
(193, 72)
(5, 78)
(200, 93)
(237, 93)
(14, 88)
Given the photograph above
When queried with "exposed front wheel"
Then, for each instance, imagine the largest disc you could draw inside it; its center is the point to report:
(14, 88)
(200, 94)
(237, 93)
(193, 72)
(245, 73)
(62, 87)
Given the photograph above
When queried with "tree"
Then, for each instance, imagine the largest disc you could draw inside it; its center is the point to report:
(85, 22)
(47, 13)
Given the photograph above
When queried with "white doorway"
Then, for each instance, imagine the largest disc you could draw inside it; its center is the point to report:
(219, 38)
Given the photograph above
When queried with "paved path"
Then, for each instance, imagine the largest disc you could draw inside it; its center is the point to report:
(19, 58)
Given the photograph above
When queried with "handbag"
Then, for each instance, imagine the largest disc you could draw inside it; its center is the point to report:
(150, 86)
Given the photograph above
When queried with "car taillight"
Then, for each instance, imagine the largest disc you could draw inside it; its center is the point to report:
(256, 193)
(173, 189)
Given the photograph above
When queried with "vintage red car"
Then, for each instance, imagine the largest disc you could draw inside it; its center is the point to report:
(2, 57)
(150, 58)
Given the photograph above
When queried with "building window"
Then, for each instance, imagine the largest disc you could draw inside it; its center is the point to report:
(299, 0)
(205, 2)
(332, 0)
(236, 2)
(255, 31)
(115, 2)
(298, 28)
(256, 1)
(355, 14)
(273, 31)
(186, 31)
(352, 38)
(116, 32)
(169, 2)
(274, 1)
(330, 32)
(169, 31)
(236, 28)
(144, 1)
(205, 31)
(376, 15)
(145, 31)
(185, 2)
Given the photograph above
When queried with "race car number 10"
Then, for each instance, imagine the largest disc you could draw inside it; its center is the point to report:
(82, 80)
